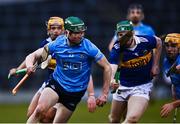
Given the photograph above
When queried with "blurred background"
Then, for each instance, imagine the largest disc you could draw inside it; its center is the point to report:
(22, 27)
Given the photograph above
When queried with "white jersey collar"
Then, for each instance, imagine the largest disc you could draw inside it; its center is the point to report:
(49, 39)
(137, 41)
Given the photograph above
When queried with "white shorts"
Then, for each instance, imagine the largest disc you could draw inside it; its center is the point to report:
(123, 93)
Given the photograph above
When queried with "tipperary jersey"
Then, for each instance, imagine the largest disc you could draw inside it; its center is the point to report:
(141, 29)
(52, 63)
(136, 62)
(175, 78)
(73, 67)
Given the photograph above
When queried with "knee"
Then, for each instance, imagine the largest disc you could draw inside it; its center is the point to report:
(40, 111)
(49, 116)
(132, 119)
(29, 112)
(113, 119)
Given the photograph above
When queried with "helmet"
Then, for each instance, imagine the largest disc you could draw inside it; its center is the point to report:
(174, 38)
(74, 24)
(124, 26)
(55, 20)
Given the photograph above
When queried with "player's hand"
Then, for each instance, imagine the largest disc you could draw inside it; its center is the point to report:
(114, 85)
(155, 70)
(178, 67)
(166, 109)
(177, 70)
(12, 71)
(101, 100)
(30, 70)
(91, 103)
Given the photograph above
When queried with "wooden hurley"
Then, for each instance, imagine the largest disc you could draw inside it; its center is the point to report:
(16, 88)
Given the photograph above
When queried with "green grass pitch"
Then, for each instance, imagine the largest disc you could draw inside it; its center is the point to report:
(17, 113)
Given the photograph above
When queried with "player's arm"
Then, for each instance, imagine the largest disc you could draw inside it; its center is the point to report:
(90, 87)
(156, 57)
(111, 44)
(12, 71)
(39, 55)
(114, 59)
(178, 67)
(106, 79)
(176, 103)
(91, 101)
(167, 108)
(114, 85)
(106, 74)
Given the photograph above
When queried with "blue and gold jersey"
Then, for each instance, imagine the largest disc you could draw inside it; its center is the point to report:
(73, 62)
(175, 78)
(136, 63)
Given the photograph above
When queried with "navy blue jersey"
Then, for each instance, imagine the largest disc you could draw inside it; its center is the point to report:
(137, 61)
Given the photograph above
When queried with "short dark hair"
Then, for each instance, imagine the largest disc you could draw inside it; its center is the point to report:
(135, 6)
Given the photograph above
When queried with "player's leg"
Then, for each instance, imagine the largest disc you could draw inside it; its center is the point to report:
(62, 114)
(117, 111)
(136, 107)
(47, 99)
(33, 104)
(51, 112)
(67, 105)
(35, 100)
(138, 102)
(49, 116)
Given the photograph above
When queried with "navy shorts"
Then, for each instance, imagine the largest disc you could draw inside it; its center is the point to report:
(68, 99)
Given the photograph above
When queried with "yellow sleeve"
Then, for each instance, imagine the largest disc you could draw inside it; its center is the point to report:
(52, 64)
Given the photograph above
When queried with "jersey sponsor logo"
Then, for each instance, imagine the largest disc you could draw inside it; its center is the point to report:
(71, 65)
(137, 62)
(117, 46)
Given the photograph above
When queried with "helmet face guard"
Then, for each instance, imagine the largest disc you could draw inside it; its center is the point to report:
(173, 38)
(121, 27)
(74, 24)
(55, 21)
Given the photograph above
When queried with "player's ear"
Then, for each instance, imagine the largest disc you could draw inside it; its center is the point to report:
(66, 33)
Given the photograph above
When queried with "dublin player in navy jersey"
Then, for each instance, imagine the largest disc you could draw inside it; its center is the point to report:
(137, 69)
(136, 15)
(171, 67)
(74, 55)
